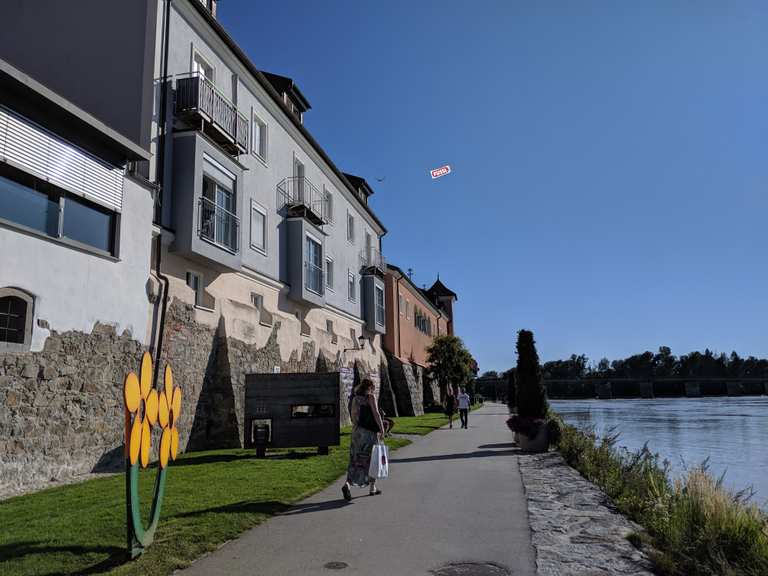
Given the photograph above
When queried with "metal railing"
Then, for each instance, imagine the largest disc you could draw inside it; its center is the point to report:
(195, 93)
(371, 257)
(300, 192)
(313, 278)
(218, 226)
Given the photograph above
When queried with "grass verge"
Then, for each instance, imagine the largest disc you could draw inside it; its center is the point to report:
(210, 497)
(695, 527)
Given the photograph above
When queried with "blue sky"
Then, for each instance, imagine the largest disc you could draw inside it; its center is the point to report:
(610, 173)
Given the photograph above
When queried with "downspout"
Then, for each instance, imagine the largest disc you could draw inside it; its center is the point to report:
(161, 184)
(397, 317)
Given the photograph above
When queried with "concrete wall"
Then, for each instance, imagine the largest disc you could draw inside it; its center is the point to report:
(75, 289)
(98, 54)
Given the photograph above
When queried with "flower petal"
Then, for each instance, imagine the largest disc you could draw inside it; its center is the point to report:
(176, 405)
(146, 375)
(162, 414)
(131, 392)
(165, 447)
(168, 383)
(146, 443)
(150, 408)
(174, 442)
(135, 441)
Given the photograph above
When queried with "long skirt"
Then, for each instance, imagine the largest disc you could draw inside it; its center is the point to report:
(360, 449)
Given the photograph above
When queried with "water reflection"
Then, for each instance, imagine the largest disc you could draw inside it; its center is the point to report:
(686, 431)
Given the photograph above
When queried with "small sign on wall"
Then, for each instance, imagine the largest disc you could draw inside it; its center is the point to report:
(276, 370)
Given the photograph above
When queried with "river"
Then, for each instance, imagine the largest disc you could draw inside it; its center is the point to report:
(731, 431)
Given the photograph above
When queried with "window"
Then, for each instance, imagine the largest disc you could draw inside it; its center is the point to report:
(195, 281)
(313, 264)
(350, 228)
(298, 174)
(15, 320)
(351, 286)
(328, 206)
(259, 138)
(402, 305)
(37, 205)
(329, 273)
(218, 220)
(201, 66)
(258, 228)
(407, 310)
(379, 306)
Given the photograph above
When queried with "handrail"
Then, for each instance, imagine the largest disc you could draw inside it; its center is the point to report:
(196, 92)
(300, 191)
(371, 257)
(218, 225)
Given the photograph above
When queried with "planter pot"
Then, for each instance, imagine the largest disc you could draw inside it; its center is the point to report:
(535, 444)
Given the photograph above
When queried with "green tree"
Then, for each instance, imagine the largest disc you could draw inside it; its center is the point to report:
(450, 363)
(489, 374)
(531, 395)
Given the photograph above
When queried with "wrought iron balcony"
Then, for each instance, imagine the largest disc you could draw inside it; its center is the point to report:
(302, 198)
(218, 226)
(197, 98)
(370, 257)
(314, 278)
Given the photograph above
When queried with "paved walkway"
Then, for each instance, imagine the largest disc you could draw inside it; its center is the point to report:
(454, 496)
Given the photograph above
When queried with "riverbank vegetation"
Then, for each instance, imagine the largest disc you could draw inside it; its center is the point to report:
(694, 525)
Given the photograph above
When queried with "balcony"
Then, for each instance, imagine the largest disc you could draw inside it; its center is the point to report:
(218, 226)
(198, 99)
(372, 259)
(302, 198)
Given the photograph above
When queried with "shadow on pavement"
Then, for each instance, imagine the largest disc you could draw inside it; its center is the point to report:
(318, 506)
(475, 454)
(502, 445)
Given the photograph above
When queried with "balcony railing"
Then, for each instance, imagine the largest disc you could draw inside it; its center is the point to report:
(218, 226)
(195, 94)
(313, 278)
(370, 257)
(300, 196)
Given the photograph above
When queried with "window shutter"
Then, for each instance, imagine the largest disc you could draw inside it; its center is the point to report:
(41, 153)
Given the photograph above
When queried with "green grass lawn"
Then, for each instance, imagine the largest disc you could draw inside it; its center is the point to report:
(210, 497)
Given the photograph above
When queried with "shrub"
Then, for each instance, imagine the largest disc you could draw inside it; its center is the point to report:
(531, 395)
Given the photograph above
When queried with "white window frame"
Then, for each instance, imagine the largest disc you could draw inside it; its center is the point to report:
(196, 52)
(351, 284)
(350, 227)
(255, 144)
(199, 290)
(376, 290)
(314, 239)
(328, 206)
(256, 207)
(329, 278)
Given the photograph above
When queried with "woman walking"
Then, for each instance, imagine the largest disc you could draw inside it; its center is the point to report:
(367, 430)
(450, 404)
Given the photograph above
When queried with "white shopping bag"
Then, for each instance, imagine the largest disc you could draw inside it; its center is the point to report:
(379, 467)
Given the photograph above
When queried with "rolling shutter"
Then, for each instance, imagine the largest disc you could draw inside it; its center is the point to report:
(39, 152)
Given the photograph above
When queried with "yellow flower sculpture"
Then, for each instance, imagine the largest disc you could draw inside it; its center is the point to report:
(145, 407)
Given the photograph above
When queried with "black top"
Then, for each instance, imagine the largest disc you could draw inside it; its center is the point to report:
(366, 420)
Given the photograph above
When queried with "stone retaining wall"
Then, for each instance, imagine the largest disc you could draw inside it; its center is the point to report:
(61, 409)
(575, 529)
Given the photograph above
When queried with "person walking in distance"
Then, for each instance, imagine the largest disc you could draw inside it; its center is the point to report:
(450, 404)
(463, 400)
(367, 430)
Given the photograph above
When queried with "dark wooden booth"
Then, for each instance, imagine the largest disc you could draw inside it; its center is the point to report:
(292, 411)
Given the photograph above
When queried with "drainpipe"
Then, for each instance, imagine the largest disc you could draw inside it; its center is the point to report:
(160, 177)
(397, 317)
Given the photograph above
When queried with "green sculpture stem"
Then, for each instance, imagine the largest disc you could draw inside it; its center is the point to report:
(139, 537)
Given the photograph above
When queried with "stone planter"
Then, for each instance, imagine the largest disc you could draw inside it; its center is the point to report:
(534, 444)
